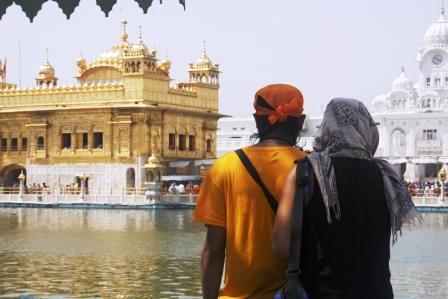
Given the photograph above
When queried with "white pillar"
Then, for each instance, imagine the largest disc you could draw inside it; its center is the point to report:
(445, 145)
(21, 189)
(82, 192)
(410, 143)
(21, 178)
(410, 175)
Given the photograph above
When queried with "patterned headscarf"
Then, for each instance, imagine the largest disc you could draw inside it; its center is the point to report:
(348, 130)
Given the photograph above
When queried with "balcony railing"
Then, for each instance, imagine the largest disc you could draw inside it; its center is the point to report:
(429, 147)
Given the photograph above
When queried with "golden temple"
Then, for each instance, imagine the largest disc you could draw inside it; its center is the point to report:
(122, 109)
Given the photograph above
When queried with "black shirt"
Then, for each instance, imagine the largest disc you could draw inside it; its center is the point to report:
(348, 258)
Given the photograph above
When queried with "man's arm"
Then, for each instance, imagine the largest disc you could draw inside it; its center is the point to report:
(281, 233)
(212, 262)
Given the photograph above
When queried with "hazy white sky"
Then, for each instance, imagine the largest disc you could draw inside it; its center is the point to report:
(327, 48)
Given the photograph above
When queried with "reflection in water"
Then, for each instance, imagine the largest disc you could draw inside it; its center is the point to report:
(99, 253)
(419, 261)
(126, 253)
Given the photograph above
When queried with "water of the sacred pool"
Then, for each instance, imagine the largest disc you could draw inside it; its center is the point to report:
(156, 253)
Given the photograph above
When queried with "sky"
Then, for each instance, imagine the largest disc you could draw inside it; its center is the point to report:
(327, 48)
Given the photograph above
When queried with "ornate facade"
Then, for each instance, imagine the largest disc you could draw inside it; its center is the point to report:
(107, 125)
(413, 117)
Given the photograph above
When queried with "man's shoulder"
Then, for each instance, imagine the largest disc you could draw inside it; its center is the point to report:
(225, 159)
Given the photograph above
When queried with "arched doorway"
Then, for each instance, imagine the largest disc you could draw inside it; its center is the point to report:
(398, 143)
(9, 175)
(86, 184)
(130, 178)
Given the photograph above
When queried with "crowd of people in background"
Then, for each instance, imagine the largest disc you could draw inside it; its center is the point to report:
(430, 188)
(176, 188)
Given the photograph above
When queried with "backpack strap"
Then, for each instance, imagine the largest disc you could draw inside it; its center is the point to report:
(254, 174)
(303, 175)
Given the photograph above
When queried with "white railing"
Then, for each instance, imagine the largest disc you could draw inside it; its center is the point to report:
(129, 200)
(428, 201)
(429, 147)
(139, 200)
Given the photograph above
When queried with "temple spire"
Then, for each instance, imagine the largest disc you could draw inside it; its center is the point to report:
(140, 34)
(46, 56)
(204, 51)
(124, 35)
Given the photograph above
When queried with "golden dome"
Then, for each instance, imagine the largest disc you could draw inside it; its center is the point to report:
(123, 50)
(46, 71)
(164, 67)
(153, 161)
(204, 62)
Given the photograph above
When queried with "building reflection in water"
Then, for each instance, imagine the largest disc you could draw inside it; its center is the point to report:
(136, 253)
(99, 252)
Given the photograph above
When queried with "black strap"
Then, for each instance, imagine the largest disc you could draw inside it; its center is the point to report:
(302, 194)
(254, 174)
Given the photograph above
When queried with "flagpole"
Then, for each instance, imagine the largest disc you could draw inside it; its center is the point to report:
(20, 64)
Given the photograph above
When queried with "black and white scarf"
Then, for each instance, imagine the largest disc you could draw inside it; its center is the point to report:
(348, 130)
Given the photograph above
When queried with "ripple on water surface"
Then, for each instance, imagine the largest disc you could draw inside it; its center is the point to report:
(57, 253)
(99, 253)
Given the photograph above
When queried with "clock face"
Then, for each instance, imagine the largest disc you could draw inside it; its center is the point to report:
(437, 59)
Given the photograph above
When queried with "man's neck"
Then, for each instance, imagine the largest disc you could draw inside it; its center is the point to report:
(272, 143)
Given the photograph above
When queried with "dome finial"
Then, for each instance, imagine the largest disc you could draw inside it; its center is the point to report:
(124, 35)
(140, 40)
(402, 69)
(46, 56)
(442, 9)
(204, 51)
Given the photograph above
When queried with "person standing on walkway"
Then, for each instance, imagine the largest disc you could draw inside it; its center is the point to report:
(358, 202)
(234, 209)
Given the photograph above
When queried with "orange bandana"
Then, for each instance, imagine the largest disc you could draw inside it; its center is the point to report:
(283, 100)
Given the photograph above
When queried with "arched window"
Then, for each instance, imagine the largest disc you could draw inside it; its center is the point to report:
(192, 140)
(130, 178)
(182, 139)
(40, 143)
(398, 143)
(172, 139)
(209, 145)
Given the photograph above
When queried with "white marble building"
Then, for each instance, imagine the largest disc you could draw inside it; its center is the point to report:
(412, 117)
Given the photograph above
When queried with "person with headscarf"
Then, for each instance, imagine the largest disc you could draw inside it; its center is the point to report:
(237, 215)
(358, 202)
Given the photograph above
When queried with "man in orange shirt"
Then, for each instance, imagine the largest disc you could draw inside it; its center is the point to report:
(238, 217)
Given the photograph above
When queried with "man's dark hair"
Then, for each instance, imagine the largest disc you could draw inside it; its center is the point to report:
(287, 131)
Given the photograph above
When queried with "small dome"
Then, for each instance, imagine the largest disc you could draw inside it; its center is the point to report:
(204, 60)
(403, 82)
(437, 34)
(379, 103)
(153, 162)
(140, 48)
(166, 63)
(114, 52)
(164, 67)
(46, 71)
